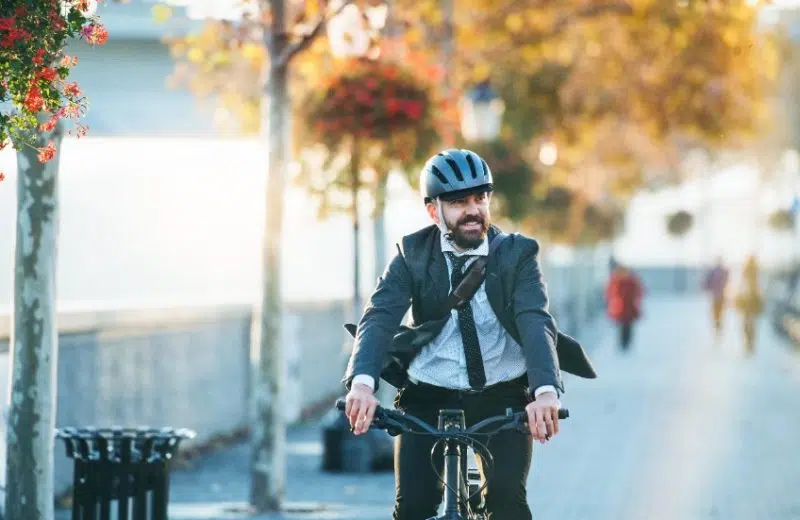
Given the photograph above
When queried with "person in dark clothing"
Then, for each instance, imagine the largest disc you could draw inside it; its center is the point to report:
(624, 298)
(497, 351)
(716, 283)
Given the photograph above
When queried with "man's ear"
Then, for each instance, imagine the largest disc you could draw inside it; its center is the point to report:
(431, 207)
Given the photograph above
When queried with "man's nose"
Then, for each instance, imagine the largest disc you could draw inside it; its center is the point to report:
(473, 208)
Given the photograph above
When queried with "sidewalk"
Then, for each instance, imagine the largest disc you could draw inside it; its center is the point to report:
(678, 428)
(218, 486)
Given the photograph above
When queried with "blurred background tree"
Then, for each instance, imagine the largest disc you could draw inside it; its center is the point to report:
(620, 88)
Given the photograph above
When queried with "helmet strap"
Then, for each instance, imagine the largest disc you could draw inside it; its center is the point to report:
(442, 225)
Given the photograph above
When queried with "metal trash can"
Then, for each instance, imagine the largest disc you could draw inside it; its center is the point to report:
(128, 466)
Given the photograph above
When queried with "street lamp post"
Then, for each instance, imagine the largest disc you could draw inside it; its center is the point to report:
(481, 113)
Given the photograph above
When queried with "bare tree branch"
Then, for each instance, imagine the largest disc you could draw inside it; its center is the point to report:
(290, 50)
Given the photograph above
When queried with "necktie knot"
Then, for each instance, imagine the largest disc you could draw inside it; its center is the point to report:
(458, 268)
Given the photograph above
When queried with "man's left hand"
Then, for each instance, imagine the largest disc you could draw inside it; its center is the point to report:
(543, 416)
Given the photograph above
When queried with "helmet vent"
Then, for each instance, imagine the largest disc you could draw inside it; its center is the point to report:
(472, 166)
(485, 168)
(455, 168)
(439, 175)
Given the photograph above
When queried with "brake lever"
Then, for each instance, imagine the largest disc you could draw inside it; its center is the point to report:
(381, 421)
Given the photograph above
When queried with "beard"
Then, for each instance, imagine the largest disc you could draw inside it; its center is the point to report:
(469, 238)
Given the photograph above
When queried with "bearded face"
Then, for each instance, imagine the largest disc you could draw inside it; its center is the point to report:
(467, 218)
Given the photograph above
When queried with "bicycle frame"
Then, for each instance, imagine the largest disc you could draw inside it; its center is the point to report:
(454, 478)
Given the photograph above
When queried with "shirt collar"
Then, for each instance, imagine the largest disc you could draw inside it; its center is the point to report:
(481, 250)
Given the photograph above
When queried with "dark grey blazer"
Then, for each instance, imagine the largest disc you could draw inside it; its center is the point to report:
(418, 276)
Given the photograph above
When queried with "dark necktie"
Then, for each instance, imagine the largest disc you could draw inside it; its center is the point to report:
(469, 334)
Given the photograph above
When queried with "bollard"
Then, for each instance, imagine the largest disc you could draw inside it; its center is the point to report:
(128, 466)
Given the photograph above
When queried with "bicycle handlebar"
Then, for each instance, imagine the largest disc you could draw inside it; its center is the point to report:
(396, 422)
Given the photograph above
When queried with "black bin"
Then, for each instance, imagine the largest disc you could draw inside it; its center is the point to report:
(343, 451)
(128, 466)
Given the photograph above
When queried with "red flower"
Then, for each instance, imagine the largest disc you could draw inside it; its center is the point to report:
(48, 74)
(12, 35)
(413, 109)
(47, 153)
(72, 90)
(69, 61)
(2, 176)
(363, 97)
(49, 125)
(34, 100)
(38, 59)
(56, 20)
(372, 83)
(95, 34)
(71, 111)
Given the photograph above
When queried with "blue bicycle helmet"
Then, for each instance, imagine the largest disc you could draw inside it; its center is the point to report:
(454, 173)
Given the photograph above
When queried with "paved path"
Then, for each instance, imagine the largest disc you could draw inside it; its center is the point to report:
(680, 428)
(677, 428)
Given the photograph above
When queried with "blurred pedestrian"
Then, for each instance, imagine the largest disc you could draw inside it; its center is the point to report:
(716, 283)
(624, 299)
(750, 302)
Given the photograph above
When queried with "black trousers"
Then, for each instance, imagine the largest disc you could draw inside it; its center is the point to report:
(625, 335)
(418, 491)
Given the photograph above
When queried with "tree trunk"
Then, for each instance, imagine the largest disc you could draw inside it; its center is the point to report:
(268, 432)
(355, 165)
(34, 338)
(379, 226)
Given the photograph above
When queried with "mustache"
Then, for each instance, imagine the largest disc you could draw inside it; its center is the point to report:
(471, 219)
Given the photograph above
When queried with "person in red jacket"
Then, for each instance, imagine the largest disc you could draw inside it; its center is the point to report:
(624, 299)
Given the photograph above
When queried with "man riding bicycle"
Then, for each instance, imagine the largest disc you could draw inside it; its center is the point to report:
(499, 349)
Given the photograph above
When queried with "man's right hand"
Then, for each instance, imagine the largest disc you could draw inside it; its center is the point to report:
(360, 407)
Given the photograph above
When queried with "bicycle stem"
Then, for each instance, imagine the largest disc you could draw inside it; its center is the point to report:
(452, 476)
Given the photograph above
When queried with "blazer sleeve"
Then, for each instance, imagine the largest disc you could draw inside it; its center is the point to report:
(537, 328)
(382, 317)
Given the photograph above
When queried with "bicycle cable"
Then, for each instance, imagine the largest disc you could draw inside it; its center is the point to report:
(488, 463)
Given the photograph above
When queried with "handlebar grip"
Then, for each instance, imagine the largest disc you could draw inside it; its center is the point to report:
(563, 413)
(341, 404)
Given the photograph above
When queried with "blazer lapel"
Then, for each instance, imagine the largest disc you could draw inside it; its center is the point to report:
(494, 287)
(438, 283)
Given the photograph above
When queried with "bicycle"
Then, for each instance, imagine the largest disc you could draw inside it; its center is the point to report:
(463, 498)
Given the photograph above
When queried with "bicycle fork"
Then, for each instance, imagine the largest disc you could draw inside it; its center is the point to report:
(455, 484)
(452, 420)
